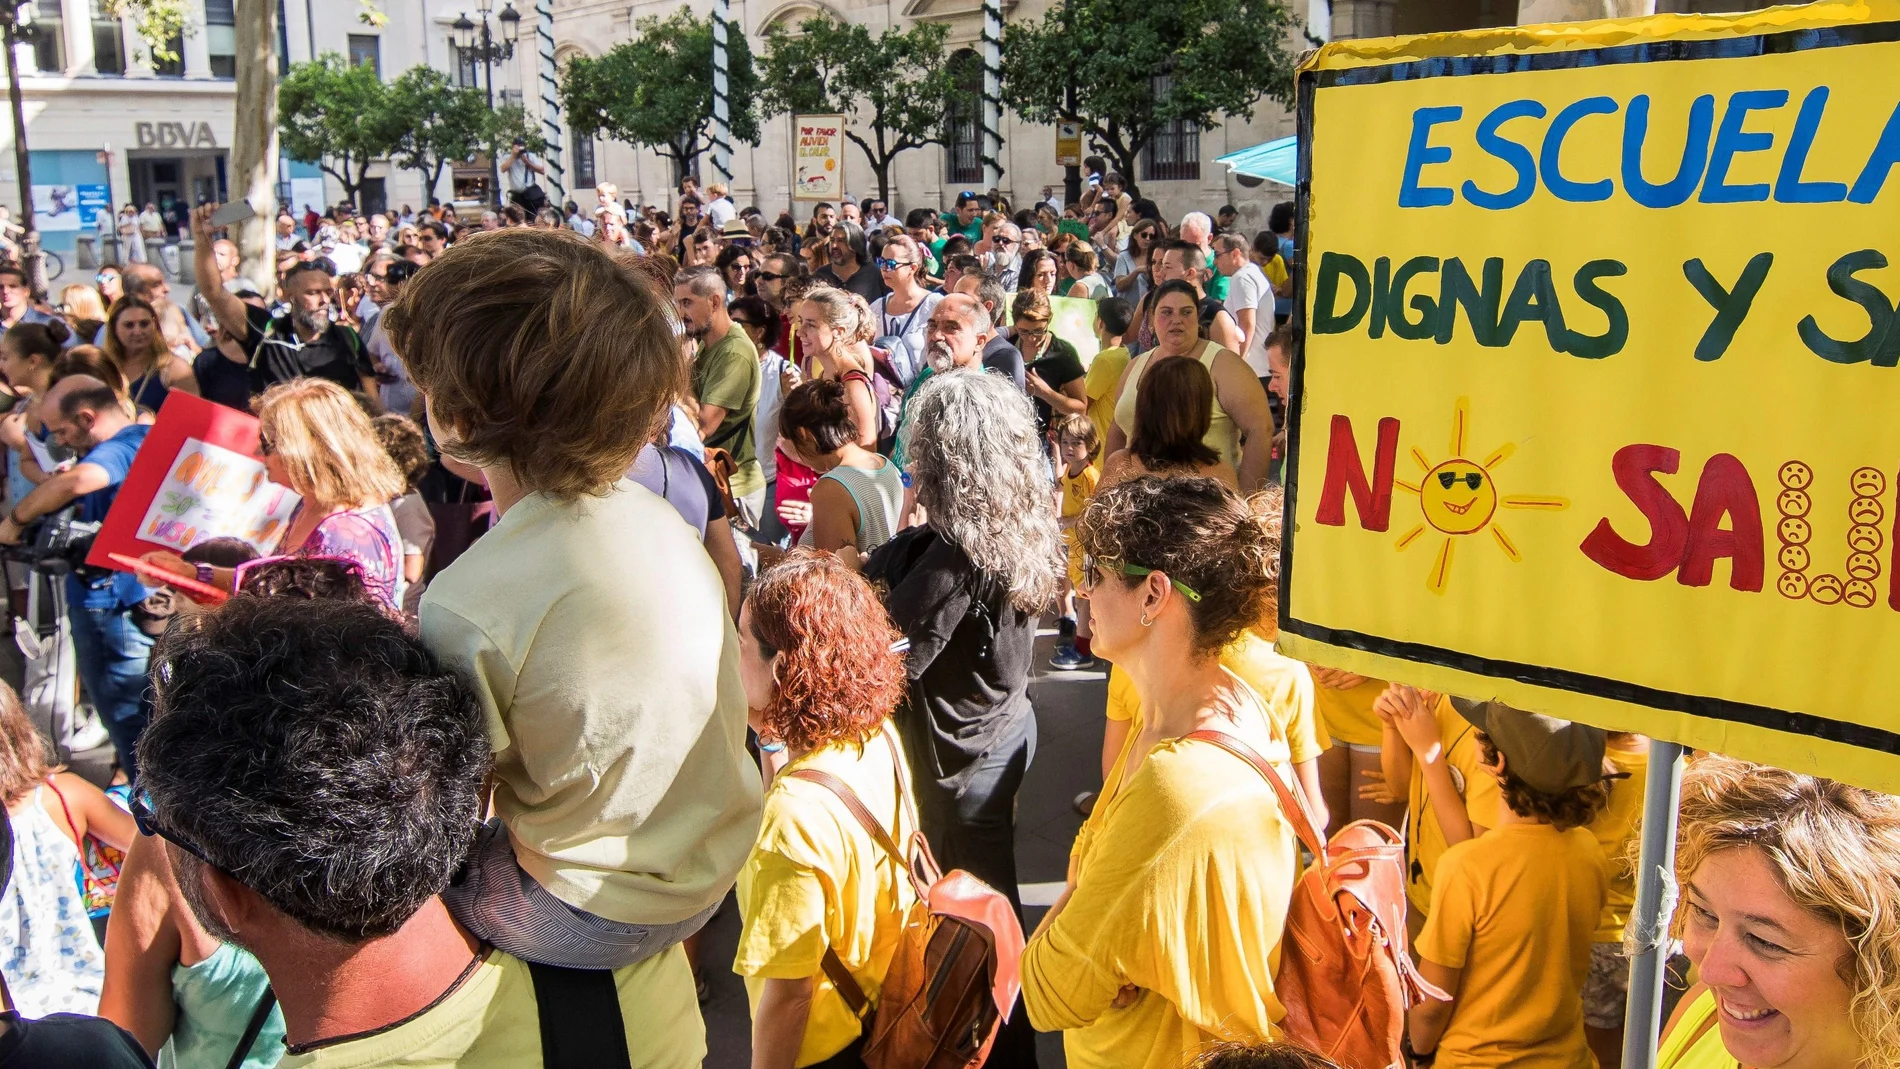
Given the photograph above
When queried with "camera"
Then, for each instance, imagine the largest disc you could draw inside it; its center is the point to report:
(57, 543)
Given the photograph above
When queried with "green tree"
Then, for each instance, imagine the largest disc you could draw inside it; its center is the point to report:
(1220, 58)
(339, 117)
(656, 90)
(899, 82)
(442, 122)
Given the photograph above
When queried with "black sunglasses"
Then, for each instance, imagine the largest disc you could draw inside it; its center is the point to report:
(768, 276)
(1448, 479)
(148, 824)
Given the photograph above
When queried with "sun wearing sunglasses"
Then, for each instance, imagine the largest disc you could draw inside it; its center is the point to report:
(1472, 479)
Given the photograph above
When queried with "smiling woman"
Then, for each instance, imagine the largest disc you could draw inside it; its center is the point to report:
(1791, 913)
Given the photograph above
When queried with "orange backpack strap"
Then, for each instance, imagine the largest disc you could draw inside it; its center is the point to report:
(1290, 804)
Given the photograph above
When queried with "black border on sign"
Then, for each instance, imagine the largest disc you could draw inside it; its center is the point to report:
(1786, 720)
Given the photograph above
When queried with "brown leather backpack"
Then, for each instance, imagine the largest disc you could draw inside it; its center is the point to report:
(1346, 977)
(953, 978)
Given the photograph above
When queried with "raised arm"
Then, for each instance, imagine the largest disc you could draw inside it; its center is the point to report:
(232, 314)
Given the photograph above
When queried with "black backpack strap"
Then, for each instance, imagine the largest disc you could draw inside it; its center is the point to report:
(581, 1024)
(249, 1039)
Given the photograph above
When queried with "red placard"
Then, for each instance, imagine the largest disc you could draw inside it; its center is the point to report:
(182, 419)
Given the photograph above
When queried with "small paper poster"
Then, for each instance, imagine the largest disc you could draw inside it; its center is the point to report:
(213, 492)
(818, 157)
(195, 477)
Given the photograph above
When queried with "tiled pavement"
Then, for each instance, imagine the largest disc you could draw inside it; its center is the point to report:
(1068, 761)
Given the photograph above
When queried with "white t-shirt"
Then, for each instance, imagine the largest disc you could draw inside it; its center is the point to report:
(347, 257)
(720, 212)
(1244, 290)
(519, 175)
(765, 426)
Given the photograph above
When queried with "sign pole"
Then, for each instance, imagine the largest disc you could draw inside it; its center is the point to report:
(721, 103)
(1655, 903)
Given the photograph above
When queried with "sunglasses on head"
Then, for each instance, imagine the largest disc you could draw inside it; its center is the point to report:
(148, 824)
(1092, 575)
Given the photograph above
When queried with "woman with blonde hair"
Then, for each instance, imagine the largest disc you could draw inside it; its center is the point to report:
(1791, 913)
(83, 310)
(834, 329)
(314, 438)
(135, 340)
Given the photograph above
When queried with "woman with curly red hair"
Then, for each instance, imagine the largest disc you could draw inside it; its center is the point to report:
(821, 679)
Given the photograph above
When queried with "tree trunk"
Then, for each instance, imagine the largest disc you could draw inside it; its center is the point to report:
(253, 174)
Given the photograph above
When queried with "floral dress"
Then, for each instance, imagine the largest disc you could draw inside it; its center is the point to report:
(51, 959)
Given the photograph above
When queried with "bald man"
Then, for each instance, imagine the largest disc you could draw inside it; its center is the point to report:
(89, 417)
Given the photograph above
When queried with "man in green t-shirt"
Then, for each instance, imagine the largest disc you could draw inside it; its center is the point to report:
(726, 382)
(967, 219)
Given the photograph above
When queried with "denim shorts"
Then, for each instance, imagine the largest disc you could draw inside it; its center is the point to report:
(503, 905)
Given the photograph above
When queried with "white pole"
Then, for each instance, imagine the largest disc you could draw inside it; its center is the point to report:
(1655, 903)
(722, 114)
(992, 136)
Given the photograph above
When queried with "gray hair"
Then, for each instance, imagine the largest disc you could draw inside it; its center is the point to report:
(1232, 243)
(991, 294)
(980, 473)
(702, 281)
(1199, 221)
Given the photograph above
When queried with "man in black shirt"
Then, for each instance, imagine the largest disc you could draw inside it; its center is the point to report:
(306, 343)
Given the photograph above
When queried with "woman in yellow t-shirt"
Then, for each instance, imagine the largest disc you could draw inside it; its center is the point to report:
(1166, 936)
(1791, 913)
(821, 680)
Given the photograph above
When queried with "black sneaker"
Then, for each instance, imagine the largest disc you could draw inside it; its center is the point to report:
(1069, 659)
(1065, 627)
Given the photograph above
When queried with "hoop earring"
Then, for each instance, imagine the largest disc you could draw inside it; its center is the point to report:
(1145, 622)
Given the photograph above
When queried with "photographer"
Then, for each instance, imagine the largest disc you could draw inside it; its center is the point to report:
(85, 415)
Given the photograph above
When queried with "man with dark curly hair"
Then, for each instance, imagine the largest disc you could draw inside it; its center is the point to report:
(316, 778)
(1514, 910)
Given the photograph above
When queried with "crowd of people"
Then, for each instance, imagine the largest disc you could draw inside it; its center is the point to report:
(739, 519)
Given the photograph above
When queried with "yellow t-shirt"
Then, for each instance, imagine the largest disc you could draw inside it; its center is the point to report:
(1183, 894)
(595, 633)
(1104, 372)
(1282, 682)
(1076, 491)
(1348, 713)
(489, 1022)
(1424, 839)
(1614, 828)
(1515, 909)
(817, 879)
(1275, 270)
(1696, 1041)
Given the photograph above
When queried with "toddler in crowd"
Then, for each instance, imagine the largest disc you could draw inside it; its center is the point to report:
(1078, 460)
(589, 621)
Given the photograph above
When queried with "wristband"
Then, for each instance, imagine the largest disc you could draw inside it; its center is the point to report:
(13, 517)
(1419, 1061)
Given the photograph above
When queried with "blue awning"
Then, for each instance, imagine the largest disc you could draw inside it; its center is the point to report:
(1275, 161)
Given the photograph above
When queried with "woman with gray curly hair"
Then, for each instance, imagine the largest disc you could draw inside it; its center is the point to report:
(967, 588)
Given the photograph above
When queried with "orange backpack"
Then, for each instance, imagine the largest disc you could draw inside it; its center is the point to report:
(1346, 977)
(953, 978)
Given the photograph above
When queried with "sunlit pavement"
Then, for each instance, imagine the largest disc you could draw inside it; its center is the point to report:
(1068, 762)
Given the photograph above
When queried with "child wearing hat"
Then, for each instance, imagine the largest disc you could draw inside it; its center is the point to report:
(1513, 911)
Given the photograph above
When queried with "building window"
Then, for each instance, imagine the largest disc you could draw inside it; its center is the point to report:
(174, 67)
(966, 119)
(221, 37)
(366, 50)
(583, 160)
(108, 42)
(46, 37)
(467, 71)
(1174, 153)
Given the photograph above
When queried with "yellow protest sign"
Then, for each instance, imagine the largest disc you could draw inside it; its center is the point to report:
(818, 157)
(1597, 394)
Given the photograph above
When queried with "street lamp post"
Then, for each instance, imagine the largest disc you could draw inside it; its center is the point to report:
(477, 44)
(11, 23)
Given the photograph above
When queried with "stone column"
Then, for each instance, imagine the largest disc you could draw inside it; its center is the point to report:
(76, 19)
(197, 52)
(138, 57)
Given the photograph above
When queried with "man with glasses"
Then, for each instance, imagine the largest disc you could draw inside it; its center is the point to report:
(904, 312)
(432, 237)
(999, 353)
(1005, 258)
(876, 217)
(316, 779)
(307, 342)
(769, 281)
(85, 415)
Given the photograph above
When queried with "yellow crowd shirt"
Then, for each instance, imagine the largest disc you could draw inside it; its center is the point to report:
(1696, 1041)
(1105, 371)
(1348, 714)
(490, 1022)
(1076, 491)
(1181, 893)
(1614, 829)
(817, 879)
(595, 634)
(1515, 909)
(1280, 681)
(1424, 838)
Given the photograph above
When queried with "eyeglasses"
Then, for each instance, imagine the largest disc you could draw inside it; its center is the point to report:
(148, 824)
(1001, 240)
(1092, 574)
(1030, 335)
(265, 447)
(767, 276)
(892, 265)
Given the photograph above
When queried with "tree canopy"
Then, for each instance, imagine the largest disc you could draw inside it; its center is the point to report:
(898, 83)
(442, 122)
(656, 89)
(340, 117)
(1220, 57)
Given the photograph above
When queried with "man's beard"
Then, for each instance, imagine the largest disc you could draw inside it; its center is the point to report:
(698, 332)
(940, 358)
(311, 322)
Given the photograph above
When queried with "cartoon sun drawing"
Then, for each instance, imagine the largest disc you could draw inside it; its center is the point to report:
(1460, 497)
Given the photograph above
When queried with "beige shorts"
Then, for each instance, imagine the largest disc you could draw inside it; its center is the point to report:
(1606, 990)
